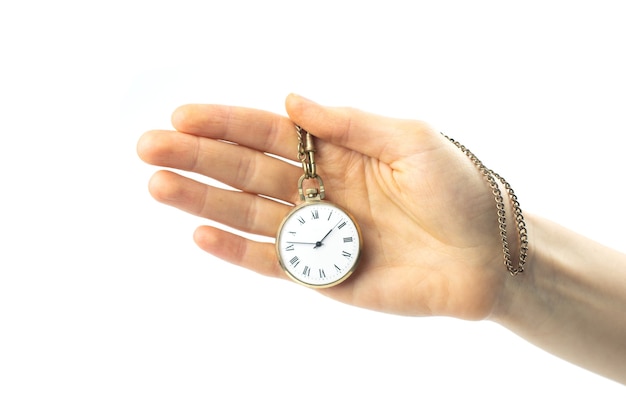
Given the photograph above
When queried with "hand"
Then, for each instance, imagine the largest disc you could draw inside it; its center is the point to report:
(302, 243)
(319, 242)
(431, 242)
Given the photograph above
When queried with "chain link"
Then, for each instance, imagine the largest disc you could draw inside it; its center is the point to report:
(490, 177)
(306, 152)
(306, 156)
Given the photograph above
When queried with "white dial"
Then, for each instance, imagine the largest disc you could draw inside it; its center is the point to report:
(318, 244)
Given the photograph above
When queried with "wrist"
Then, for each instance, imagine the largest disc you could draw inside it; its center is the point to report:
(570, 301)
(514, 290)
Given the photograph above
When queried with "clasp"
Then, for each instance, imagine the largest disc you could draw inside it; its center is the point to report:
(311, 194)
(306, 152)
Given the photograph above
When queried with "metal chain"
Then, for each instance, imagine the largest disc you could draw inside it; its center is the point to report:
(491, 177)
(306, 155)
(306, 152)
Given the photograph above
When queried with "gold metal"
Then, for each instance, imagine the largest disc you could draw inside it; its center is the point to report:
(306, 153)
(313, 196)
(522, 232)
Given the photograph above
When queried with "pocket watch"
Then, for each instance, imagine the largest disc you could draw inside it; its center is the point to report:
(318, 243)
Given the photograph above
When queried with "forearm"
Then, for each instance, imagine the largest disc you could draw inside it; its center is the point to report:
(571, 301)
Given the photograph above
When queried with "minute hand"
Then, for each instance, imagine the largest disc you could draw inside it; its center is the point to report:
(319, 243)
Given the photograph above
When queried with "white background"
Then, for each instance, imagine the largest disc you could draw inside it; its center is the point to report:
(108, 308)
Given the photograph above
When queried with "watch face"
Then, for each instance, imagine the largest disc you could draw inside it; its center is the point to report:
(318, 244)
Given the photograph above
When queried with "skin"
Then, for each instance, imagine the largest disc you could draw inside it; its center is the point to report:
(428, 218)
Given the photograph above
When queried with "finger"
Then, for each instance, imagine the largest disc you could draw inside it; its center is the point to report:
(256, 129)
(376, 136)
(243, 211)
(238, 166)
(256, 256)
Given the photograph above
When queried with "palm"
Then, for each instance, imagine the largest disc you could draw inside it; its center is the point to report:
(429, 228)
(425, 213)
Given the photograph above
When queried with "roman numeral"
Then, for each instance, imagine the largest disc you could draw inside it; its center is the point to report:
(341, 225)
(307, 271)
(301, 220)
(322, 273)
(294, 261)
(330, 215)
(346, 254)
(337, 268)
(315, 214)
(290, 247)
(347, 239)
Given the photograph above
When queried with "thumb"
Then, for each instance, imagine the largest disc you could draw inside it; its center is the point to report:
(386, 139)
